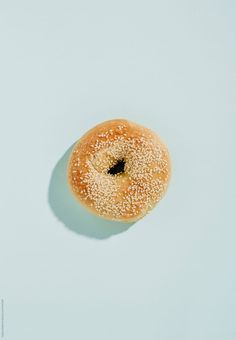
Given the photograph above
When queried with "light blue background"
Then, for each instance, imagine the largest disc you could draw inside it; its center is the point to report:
(66, 66)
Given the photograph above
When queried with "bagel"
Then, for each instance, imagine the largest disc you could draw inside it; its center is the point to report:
(119, 170)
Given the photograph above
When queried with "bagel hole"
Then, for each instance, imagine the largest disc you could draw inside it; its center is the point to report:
(118, 168)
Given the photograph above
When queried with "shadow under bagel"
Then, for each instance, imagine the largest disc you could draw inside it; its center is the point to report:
(69, 210)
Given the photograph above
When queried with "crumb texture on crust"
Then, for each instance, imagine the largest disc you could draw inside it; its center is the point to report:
(127, 195)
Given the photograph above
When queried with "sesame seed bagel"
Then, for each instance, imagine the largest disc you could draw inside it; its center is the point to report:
(119, 170)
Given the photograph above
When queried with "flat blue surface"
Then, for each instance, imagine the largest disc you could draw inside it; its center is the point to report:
(66, 66)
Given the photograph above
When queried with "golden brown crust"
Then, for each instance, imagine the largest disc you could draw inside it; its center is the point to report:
(127, 196)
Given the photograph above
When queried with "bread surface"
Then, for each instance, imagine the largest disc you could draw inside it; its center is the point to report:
(119, 145)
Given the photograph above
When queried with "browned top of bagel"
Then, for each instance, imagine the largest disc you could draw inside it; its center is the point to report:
(119, 170)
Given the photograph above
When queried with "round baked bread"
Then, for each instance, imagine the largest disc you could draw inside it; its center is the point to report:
(119, 170)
